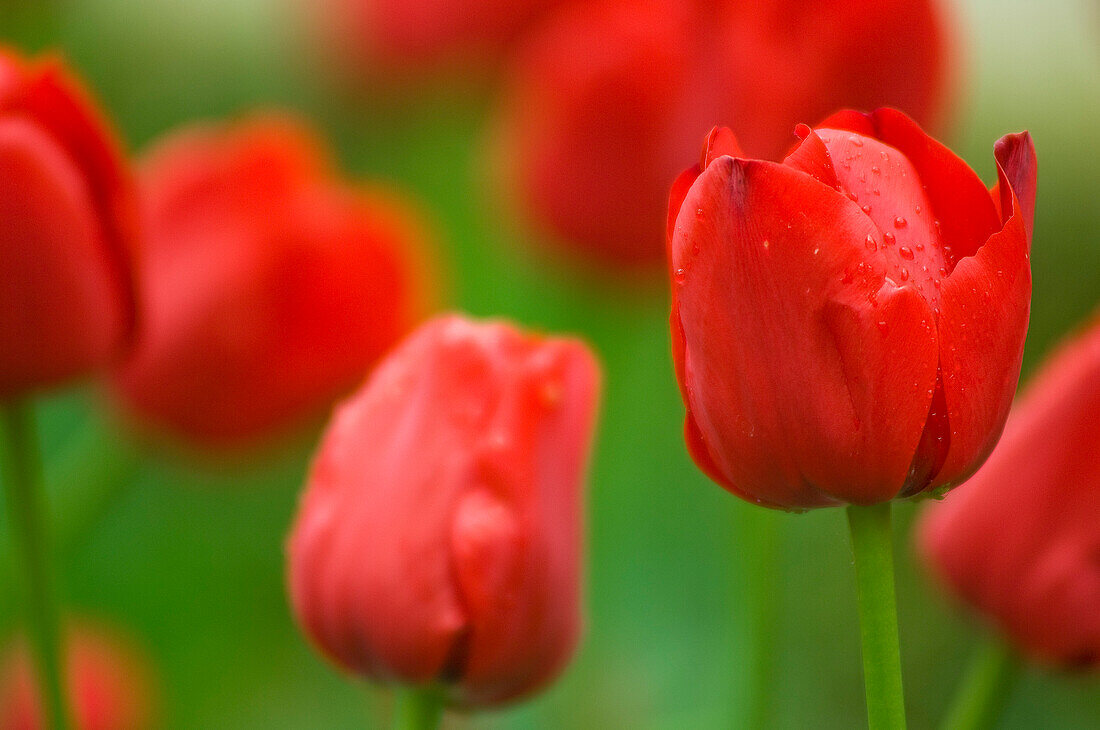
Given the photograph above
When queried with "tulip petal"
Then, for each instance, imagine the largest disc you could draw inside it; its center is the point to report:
(780, 316)
(983, 322)
(812, 158)
(961, 202)
(59, 312)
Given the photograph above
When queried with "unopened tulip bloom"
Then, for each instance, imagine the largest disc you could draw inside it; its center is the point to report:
(609, 98)
(67, 224)
(108, 684)
(438, 541)
(270, 285)
(1020, 541)
(848, 324)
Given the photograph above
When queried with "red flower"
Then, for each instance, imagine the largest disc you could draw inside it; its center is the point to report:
(848, 324)
(1020, 542)
(439, 537)
(606, 101)
(271, 287)
(66, 230)
(419, 35)
(108, 683)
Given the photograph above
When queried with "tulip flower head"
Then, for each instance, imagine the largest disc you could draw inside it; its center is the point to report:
(1019, 542)
(67, 225)
(270, 286)
(108, 683)
(848, 324)
(438, 541)
(608, 98)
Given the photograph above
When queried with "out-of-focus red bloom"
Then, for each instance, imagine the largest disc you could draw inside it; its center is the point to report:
(423, 35)
(606, 101)
(1021, 541)
(848, 325)
(270, 285)
(439, 538)
(108, 683)
(67, 216)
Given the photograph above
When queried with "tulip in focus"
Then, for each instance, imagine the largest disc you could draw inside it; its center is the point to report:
(609, 98)
(270, 285)
(1021, 541)
(438, 541)
(108, 683)
(67, 225)
(848, 324)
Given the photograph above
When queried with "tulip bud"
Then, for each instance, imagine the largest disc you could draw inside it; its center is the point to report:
(1020, 541)
(607, 99)
(848, 325)
(67, 217)
(270, 285)
(439, 537)
(108, 684)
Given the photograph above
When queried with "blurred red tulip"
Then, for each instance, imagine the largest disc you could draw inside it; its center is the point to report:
(419, 36)
(270, 285)
(1021, 541)
(439, 538)
(108, 683)
(67, 215)
(848, 325)
(607, 101)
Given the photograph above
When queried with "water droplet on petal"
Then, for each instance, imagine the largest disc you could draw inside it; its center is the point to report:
(900, 222)
(904, 274)
(856, 141)
(888, 238)
(680, 275)
(906, 253)
(870, 243)
(866, 209)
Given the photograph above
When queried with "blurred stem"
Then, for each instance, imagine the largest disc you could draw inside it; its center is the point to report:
(761, 565)
(417, 709)
(84, 482)
(985, 690)
(27, 511)
(878, 615)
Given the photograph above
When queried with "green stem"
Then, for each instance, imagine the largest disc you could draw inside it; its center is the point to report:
(761, 540)
(878, 615)
(418, 709)
(986, 688)
(27, 511)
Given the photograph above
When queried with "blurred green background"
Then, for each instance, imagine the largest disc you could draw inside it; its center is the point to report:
(190, 561)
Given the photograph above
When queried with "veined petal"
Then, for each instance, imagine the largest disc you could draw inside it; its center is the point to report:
(983, 321)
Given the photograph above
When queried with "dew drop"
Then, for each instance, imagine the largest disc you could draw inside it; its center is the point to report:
(900, 222)
(875, 169)
(680, 275)
(918, 210)
(883, 327)
(866, 209)
(888, 238)
(856, 141)
(870, 243)
(906, 253)
(904, 274)
(852, 196)
(699, 213)
(919, 247)
(766, 243)
(817, 251)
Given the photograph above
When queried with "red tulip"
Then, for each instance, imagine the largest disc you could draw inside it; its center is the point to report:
(108, 684)
(606, 102)
(439, 537)
(420, 35)
(271, 286)
(848, 324)
(66, 230)
(1020, 542)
